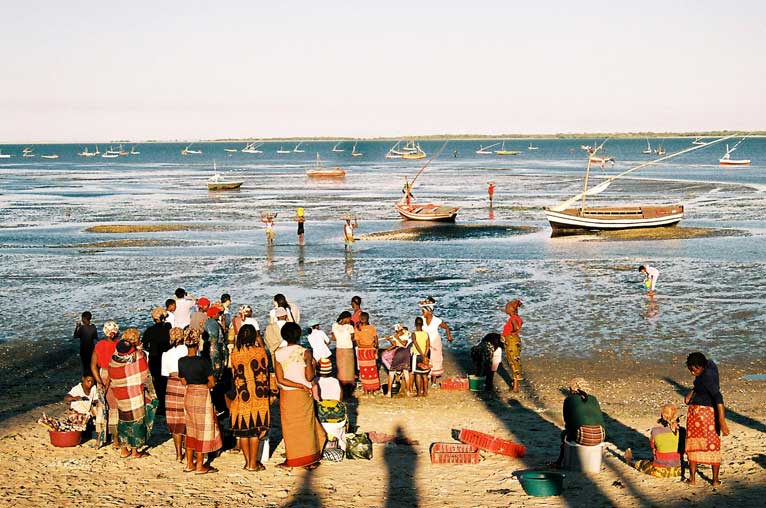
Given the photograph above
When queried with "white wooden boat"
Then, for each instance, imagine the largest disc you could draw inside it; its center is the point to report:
(503, 151)
(427, 212)
(297, 148)
(660, 150)
(648, 149)
(50, 156)
(252, 148)
(189, 151)
(282, 151)
(86, 153)
(27, 152)
(393, 152)
(231, 150)
(417, 154)
(133, 151)
(354, 153)
(698, 141)
(485, 150)
(336, 149)
(5, 155)
(532, 147)
(726, 160)
(318, 171)
(109, 155)
(218, 183)
(565, 218)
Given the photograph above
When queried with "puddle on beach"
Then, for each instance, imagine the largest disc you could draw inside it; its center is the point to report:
(754, 377)
(445, 232)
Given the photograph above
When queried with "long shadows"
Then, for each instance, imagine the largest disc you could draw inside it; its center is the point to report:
(401, 462)
(306, 497)
(734, 416)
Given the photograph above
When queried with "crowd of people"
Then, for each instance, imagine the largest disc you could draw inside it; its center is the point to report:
(201, 365)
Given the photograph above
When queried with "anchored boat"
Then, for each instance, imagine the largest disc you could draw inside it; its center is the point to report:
(218, 183)
(322, 172)
(726, 160)
(430, 212)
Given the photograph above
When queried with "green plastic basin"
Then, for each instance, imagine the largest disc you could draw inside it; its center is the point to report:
(542, 483)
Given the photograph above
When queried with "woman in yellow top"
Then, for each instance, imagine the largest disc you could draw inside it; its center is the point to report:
(366, 338)
(421, 352)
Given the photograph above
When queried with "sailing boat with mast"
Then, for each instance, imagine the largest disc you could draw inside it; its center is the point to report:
(336, 149)
(726, 160)
(503, 151)
(252, 148)
(567, 219)
(393, 152)
(698, 140)
(648, 149)
(297, 148)
(485, 150)
(354, 153)
(412, 151)
(424, 211)
(320, 171)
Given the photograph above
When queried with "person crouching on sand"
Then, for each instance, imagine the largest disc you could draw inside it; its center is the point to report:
(667, 443)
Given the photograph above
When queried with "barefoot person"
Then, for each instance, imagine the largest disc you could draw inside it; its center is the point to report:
(706, 419)
(432, 325)
(421, 353)
(583, 420)
(86, 332)
(342, 334)
(175, 390)
(99, 366)
(667, 444)
(651, 274)
(512, 340)
(366, 339)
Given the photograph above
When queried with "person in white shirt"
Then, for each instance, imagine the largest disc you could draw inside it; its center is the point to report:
(319, 342)
(170, 308)
(331, 411)
(175, 391)
(82, 396)
(651, 274)
(184, 304)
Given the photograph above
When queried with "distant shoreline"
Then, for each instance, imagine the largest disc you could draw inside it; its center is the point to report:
(435, 137)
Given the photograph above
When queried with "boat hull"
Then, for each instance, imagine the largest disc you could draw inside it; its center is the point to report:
(413, 156)
(730, 162)
(326, 173)
(220, 186)
(571, 221)
(428, 212)
(507, 152)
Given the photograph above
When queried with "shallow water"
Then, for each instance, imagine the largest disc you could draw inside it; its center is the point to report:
(581, 294)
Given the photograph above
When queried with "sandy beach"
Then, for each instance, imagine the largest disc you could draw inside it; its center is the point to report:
(35, 378)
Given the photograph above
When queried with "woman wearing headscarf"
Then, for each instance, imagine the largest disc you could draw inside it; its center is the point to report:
(667, 443)
(202, 432)
(99, 366)
(293, 312)
(706, 419)
(303, 434)
(128, 374)
(432, 325)
(583, 420)
(486, 357)
(250, 416)
(175, 391)
(366, 339)
(342, 334)
(356, 309)
(512, 340)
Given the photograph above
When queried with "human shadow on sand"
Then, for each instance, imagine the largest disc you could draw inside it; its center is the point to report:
(401, 462)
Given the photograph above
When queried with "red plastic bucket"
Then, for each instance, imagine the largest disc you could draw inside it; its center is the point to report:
(65, 439)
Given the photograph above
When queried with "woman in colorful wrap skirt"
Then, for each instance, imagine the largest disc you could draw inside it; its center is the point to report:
(512, 340)
(99, 366)
(432, 325)
(706, 419)
(667, 443)
(175, 390)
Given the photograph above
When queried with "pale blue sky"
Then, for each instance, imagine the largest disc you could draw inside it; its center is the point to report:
(80, 70)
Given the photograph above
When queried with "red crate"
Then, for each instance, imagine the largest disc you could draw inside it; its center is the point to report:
(455, 383)
(454, 453)
(491, 443)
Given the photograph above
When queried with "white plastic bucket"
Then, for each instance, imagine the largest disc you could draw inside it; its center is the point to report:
(583, 458)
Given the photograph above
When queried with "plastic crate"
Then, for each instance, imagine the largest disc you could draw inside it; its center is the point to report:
(455, 383)
(454, 453)
(491, 443)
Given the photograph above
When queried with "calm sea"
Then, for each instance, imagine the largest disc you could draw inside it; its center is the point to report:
(580, 294)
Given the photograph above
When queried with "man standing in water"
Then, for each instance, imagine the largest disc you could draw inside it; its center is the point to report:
(490, 191)
(87, 333)
(651, 274)
(348, 233)
(407, 191)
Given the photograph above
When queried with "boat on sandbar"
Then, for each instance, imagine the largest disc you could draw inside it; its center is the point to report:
(726, 160)
(429, 212)
(566, 218)
(321, 172)
(218, 183)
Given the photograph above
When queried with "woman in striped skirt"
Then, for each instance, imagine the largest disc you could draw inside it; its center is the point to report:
(174, 394)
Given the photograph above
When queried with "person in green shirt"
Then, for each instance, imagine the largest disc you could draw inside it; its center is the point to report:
(583, 421)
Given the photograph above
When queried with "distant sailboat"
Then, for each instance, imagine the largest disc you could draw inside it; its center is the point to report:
(5, 155)
(188, 151)
(660, 150)
(336, 149)
(219, 183)
(726, 160)
(230, 150)
(297, 148)
(485, 150)
(412, 151)
(283, 151)
(133, 150)
(531, 147)
(698, 141)
(503, 151)
(354, 153)
(319, 171)
(648, 149)
(111, 153)
(252, 148)
(27, 152)
(86, 153)
(393, 152)
(50, 156)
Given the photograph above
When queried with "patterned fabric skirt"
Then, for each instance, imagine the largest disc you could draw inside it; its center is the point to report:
(136, 433)
(648, 467)
(174, 405)
(437, 358)
(111, 403)
(368, 369)
(590, 435)
(703, 444)
(303, 434)
(202, 432)
(513, 355)
(344, 358)
(396, 359)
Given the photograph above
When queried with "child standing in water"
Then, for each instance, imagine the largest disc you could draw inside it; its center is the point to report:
(270, 233)
(651, 274)
(300, 218)
(348, 233)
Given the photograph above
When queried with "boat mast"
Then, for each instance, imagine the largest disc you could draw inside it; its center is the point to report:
(412, 183)
(585, 186)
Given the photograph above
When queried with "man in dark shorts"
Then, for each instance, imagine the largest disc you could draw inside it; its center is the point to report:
(87, 333)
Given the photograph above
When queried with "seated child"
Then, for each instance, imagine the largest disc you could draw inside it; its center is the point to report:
(667, 443)
(81, 398)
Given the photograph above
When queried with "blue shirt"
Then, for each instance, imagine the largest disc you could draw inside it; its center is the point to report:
(707, 391)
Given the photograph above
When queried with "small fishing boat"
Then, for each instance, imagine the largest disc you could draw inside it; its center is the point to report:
(133, 150)
(532, 147)
(336, 149)
(430, 212)
(282, 151)
(297, 148)
(393, 152)
(111, 153)
(189, 151)
(27, 152)
(86, 153)
(354, 153)
(125, 152)
(218, 183)
(698, 141)
(252, 148)
(319, 171)
(5, 155)
(660, 150)
(503, 151)
(726, 160)
(565, 218)
(648, 149)
(416, 155)
(50, 156)
(485, 150)
(598, 159)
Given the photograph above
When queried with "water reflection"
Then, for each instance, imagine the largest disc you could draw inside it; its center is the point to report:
(349, 264)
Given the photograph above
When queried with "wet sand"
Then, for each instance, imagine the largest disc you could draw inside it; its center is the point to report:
(34, 378)
(146, 228)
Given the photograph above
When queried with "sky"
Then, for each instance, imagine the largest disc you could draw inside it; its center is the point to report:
(178, 70)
